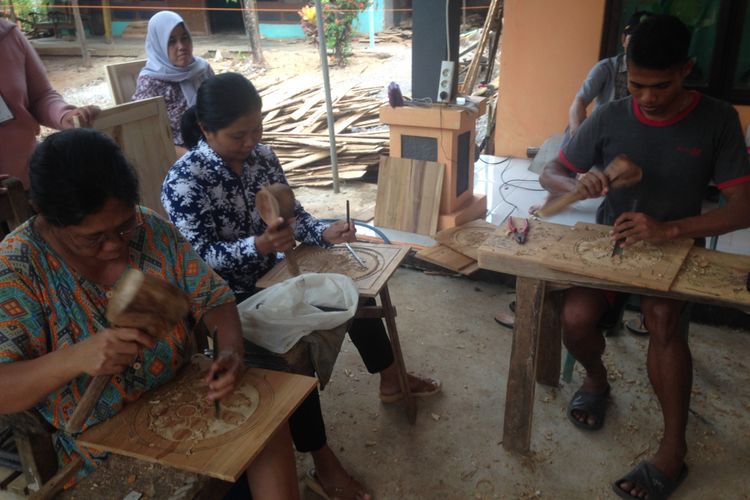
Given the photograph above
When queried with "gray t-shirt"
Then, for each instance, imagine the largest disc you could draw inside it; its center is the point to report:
(607, 81)
(679, 157)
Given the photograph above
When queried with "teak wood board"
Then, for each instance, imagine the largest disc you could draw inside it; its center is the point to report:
(409, 192)
(467, 238)
(142, 131)
(225, 455)
(717, 274)
(381, 262)
(717, 277)
(586, 249)
(448, 258)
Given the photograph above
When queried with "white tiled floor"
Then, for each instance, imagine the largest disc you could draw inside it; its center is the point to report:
(511, 188)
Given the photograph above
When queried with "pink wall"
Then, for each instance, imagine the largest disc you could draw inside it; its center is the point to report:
(548, 47)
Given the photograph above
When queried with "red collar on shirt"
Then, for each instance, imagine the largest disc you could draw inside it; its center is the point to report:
(665, 123)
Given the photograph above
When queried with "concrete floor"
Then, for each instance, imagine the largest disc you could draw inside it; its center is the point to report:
(454, 452)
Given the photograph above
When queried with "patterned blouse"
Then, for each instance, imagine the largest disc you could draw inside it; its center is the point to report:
(215, 209)
(46, 306)
(147, 87)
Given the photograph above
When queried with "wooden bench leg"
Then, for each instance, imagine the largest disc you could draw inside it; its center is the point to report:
(550, 340)
(390, 323)
(519, 397)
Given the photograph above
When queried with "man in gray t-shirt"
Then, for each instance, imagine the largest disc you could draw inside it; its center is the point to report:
(606, 82)
(681, 140)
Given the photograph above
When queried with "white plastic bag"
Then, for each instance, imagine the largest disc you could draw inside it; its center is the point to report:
(279, 316)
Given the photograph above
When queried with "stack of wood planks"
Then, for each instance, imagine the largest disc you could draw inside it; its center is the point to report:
(295, 126)
(390, 35)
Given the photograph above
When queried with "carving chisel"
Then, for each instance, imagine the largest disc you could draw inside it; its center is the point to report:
(348, 246)
(617, 249)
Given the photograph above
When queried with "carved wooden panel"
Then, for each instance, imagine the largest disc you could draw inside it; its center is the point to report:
(587, 249)
(381, 261)
(467, 238)
(175, 425)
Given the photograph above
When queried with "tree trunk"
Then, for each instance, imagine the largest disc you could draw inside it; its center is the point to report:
(11, 12)
(80, 34)
(252, 29)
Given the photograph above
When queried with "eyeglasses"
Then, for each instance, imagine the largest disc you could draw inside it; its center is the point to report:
(124, 233)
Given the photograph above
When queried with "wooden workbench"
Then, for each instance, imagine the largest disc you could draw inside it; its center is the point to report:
(706, 276)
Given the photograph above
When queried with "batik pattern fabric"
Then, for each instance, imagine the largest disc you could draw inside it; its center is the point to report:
(147, 87)
(215, 210)
(46, 306)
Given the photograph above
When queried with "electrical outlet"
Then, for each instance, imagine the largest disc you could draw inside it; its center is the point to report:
(445, 81)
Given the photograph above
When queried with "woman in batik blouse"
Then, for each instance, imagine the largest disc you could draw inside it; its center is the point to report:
(171, 71)
(57, 272)
(209, 195)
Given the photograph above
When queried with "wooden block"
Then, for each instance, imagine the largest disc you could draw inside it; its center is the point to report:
(228, 449)
(408, 197)
(381, 262)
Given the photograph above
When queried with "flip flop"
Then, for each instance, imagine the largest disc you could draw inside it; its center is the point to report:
(508, 320)
(637, 326)
(594, 405)
(652, 480)
(398, 396)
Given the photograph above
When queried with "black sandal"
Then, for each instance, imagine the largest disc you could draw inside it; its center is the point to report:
(650, 479)
(593, 405)
(637, 326)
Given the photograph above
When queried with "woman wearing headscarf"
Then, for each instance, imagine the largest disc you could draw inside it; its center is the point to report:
(171, 70)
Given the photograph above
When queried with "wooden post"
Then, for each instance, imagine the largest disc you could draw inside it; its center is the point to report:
(252, 29)
(519, 398)
(390, 322)
(550, 333)
(107, 20)
(80, 34)
(493, 15)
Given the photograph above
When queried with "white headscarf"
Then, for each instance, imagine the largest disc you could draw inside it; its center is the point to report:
(158, 66)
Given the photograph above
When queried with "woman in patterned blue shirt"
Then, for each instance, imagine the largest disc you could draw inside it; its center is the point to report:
(209, 195)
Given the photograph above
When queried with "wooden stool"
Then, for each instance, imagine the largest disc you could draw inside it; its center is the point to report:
(382, 262)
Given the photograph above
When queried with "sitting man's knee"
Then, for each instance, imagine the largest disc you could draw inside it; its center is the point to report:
(578, 323)
(662, 318)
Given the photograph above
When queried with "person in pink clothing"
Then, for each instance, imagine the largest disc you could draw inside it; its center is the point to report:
(27, 100)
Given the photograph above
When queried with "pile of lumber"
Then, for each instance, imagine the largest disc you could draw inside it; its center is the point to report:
(390, 35)
(295, 125)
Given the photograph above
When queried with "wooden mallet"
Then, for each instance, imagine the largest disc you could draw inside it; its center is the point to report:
(621, 173)
(274, 201)
(138, 301)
